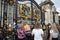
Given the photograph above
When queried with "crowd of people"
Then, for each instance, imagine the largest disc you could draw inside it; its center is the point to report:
(25, 31)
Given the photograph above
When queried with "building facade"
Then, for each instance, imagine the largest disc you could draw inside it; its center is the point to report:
(12, 11)
(25, 13)
(49, 13)
(6, 12)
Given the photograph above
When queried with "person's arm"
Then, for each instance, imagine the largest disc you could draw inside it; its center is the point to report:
(50, 36)
(42, 33)
(32, 32)
(51, 31)
(32, 35)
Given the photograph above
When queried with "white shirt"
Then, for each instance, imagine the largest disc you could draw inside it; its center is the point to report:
(54, 34)
(37, 34)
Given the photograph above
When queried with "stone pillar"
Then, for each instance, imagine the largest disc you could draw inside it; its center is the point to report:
(0, 8)
(56, 18)
(47, 16)
(10, 15)
(2, 13)
(45, 0)
(47, 7)
(51, 16)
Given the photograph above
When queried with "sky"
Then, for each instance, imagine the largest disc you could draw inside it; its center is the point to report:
(56, 4)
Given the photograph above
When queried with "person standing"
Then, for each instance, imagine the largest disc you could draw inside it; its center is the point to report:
(54, 32)
(37, 32)
(20, 32)
(27, 31)
(44, 27)
(48, 30)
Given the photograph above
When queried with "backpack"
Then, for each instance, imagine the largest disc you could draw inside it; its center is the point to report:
(20, 33)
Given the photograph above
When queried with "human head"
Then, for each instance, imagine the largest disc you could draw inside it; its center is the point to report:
(54, 27)
(24, 23)
(49, 25)
(43, 25)
(57, 25)
(10, 26)
(37, 26)
(20, 24)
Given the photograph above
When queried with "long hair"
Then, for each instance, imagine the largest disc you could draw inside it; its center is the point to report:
(20, 25)
(54, 27)
(37, 26)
